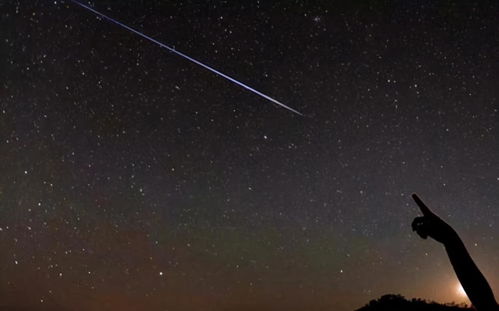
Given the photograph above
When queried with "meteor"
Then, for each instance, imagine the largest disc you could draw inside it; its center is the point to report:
(195, 61)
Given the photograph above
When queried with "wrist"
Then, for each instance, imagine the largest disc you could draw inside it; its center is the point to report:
(452, 240)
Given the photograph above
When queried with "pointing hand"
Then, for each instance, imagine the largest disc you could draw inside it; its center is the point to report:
(431, 225)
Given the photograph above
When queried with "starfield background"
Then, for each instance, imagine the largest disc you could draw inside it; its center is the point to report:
(132, 179)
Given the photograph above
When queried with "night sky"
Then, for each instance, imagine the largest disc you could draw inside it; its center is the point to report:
(132, 179)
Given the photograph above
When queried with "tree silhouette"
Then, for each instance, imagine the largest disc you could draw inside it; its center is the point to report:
(393, 302)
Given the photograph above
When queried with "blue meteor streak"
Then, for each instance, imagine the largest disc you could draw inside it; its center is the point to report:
(187, 57)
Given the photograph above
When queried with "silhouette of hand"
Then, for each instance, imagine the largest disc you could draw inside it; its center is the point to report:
(431, 225)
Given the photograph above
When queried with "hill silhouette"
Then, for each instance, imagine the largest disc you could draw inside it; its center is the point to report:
(393, 302)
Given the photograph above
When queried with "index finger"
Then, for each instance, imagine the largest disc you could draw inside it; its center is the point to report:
(424, 209)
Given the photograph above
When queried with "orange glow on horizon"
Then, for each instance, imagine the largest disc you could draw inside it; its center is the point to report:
(460, 291)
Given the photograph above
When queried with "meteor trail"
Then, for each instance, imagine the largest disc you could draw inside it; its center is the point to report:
(187, 57)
